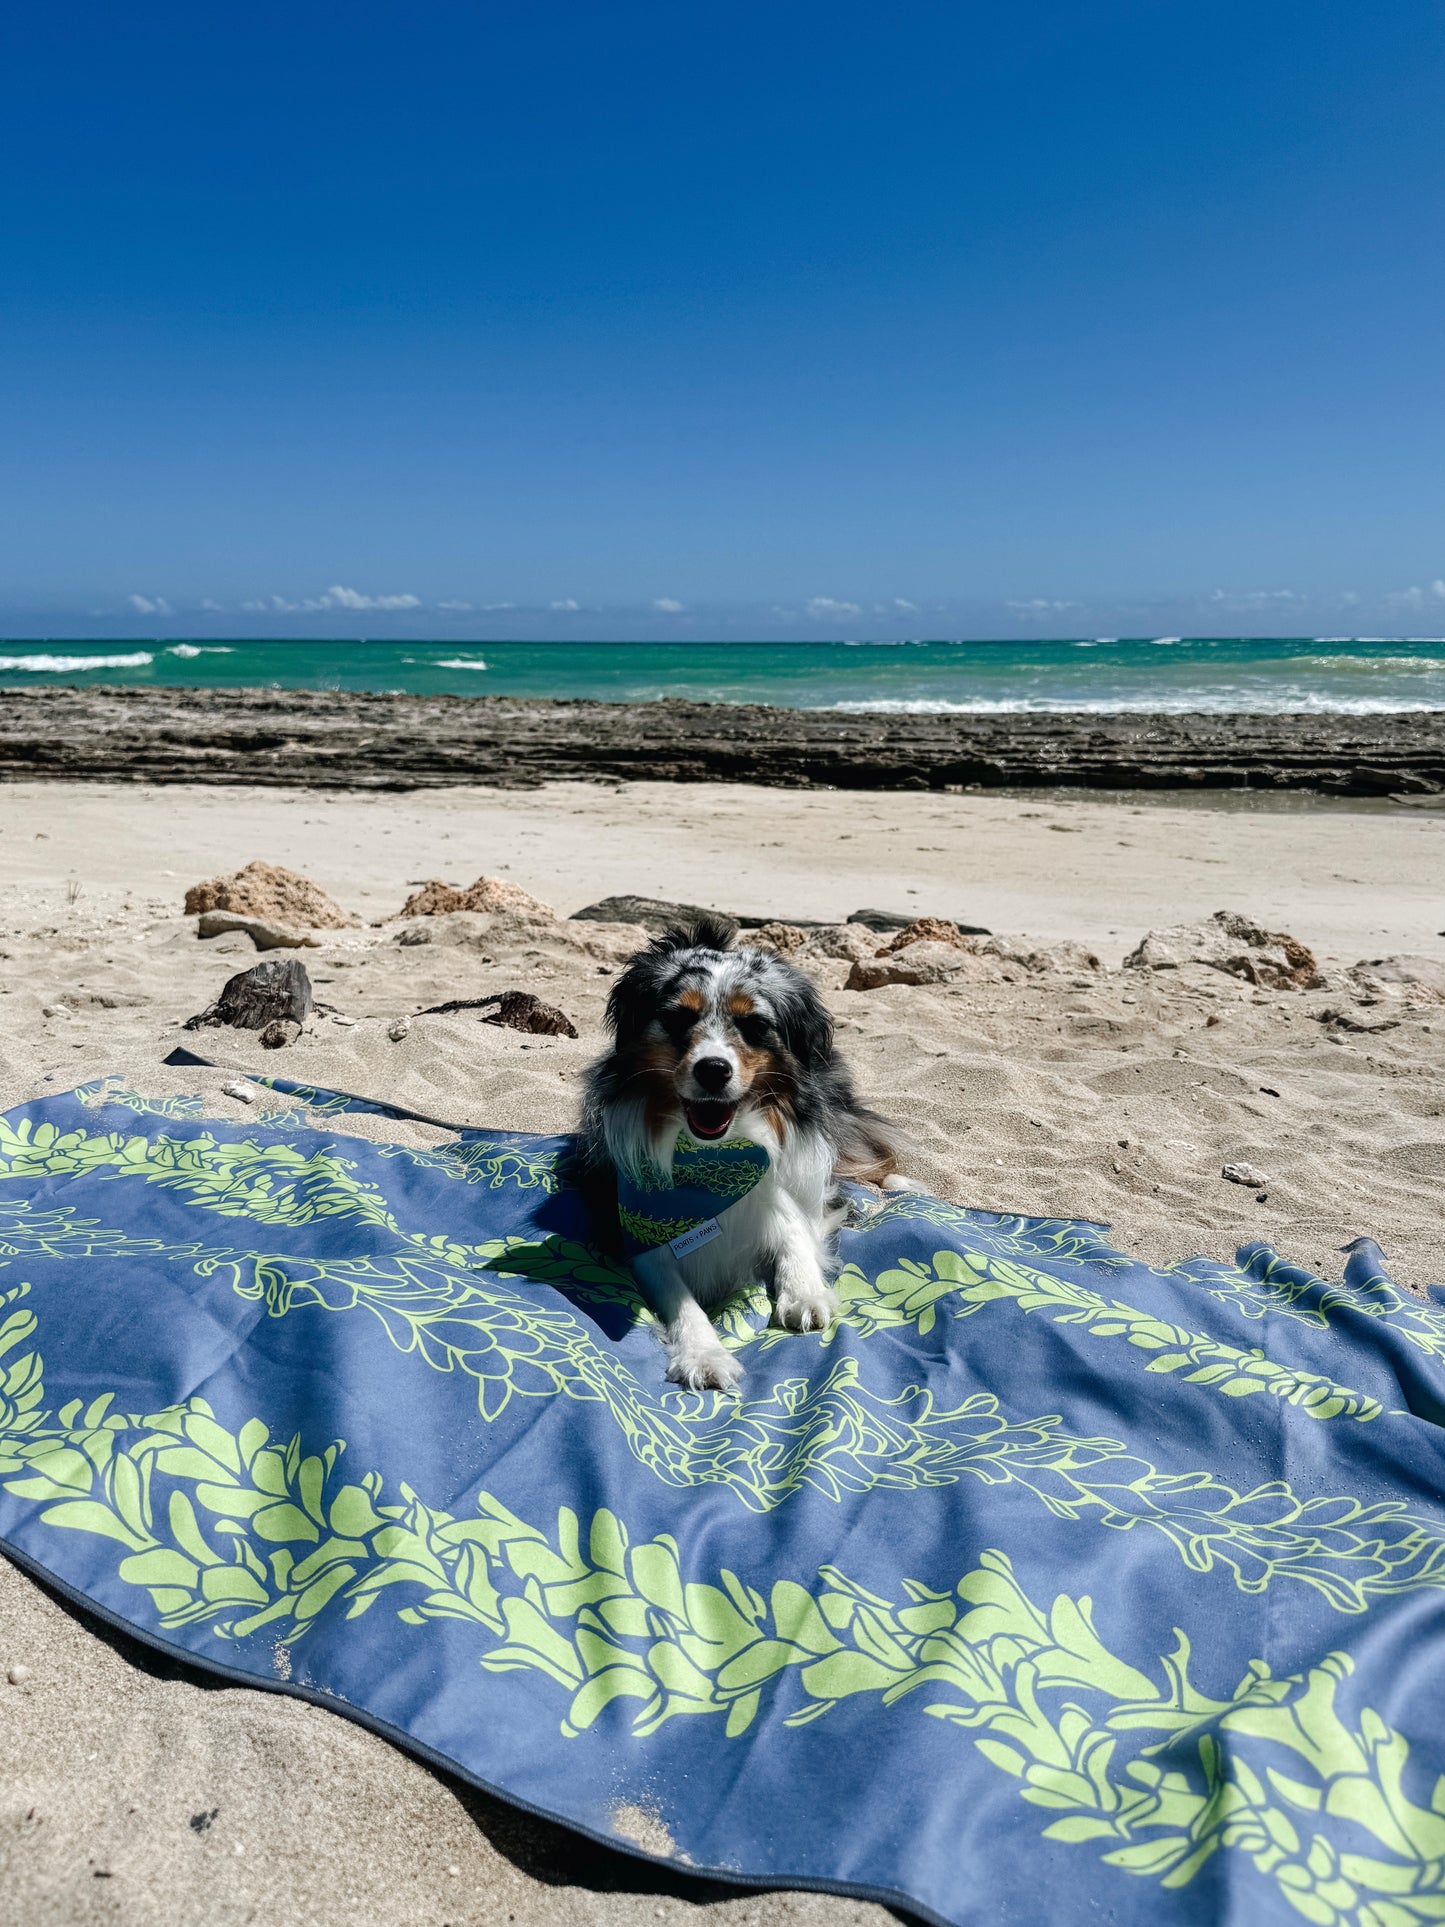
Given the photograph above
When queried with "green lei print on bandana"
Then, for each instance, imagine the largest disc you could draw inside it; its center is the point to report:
(706, 1179)
(243, 1533)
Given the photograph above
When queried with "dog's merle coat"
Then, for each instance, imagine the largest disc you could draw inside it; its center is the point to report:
(729, 1041)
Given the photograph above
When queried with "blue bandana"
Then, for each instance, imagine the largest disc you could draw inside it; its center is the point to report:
(683, 1210)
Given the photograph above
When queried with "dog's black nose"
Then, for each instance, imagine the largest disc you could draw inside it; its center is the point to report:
(713, 1073)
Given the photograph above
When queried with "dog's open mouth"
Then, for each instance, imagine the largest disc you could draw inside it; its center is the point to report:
(709, 1119)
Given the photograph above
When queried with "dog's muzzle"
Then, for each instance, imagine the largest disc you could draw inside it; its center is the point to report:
(710, 1116)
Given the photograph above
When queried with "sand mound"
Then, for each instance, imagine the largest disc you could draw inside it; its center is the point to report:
(487, 893)
(1064, 956)
(270, 891)
(1234, 944)
(1419, 978)
(925, 962)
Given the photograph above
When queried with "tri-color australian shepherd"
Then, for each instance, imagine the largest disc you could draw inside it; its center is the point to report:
(731, 1042)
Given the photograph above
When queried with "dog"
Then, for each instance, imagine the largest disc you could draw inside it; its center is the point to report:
(729, 1043)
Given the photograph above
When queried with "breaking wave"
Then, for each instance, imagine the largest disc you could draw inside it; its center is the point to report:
(69, 665)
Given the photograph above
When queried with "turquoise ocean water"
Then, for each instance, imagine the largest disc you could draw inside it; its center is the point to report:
(1166, 673)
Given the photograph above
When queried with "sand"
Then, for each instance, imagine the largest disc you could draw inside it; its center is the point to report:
(1109, 1094)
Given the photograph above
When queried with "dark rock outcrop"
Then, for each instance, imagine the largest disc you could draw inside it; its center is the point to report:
(331, 739)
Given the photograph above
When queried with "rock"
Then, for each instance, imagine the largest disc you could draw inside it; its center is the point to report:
(18, 1673)
(265, 934)
(885, 920)
(1247, 1174)
(922, 930)
(247, 1093)
(514, 1009)
(1065, 957)
(400, 1028)
(920, 963)
(280, 1032)
(331, 739)
(655, 914)
(1234, 944)
(1422, 979)
(259, 996)
(347, 1023)
(1346, 1020)
(785, 938)
(848, 941)
(414, 934)
(270, 891)
(487, 893)
(520, 1010)
(57, 1010)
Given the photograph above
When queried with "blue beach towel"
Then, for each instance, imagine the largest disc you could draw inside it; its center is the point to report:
(1044, 1587)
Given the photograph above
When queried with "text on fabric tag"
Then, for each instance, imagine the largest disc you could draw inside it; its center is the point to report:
(700, 1235)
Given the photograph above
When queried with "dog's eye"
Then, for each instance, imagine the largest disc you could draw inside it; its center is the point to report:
(753, 1029)
(678, 1022)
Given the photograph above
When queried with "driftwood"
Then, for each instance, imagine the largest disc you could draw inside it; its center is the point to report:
(277, 991)
(515, 1010)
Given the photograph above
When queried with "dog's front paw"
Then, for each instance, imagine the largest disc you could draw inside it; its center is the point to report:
(806, 1308)
(704, 1368)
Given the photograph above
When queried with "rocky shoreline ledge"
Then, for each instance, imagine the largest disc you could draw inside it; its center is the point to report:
(342, 740)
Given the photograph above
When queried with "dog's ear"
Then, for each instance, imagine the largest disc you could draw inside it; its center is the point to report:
(632, 1000)
(708, 932)
(805, 1023)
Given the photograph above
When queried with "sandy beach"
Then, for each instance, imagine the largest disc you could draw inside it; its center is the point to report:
(1038, 1075)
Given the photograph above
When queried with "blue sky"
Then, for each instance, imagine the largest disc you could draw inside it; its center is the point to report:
(580, 320)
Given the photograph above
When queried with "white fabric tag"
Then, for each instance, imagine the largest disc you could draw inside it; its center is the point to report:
(700, 1235)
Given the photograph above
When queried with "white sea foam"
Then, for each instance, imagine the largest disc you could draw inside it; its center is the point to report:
(459, 662)
(189, 649)
(1227, 702)
(68, 665)
(1372, 665)
(1165, 642)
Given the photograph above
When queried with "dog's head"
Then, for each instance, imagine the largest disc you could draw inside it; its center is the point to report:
(705, 1027)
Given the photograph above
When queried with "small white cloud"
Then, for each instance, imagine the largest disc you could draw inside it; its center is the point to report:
(667, 605)
(1437, 588)
(567, 606)
(1041, 606)
(149, 605)
(337, 597)
(1253, 598)
(904, 606)
(212, 608)
(824, 606)
(456, 608)
(1411, 598)
(490, 608)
